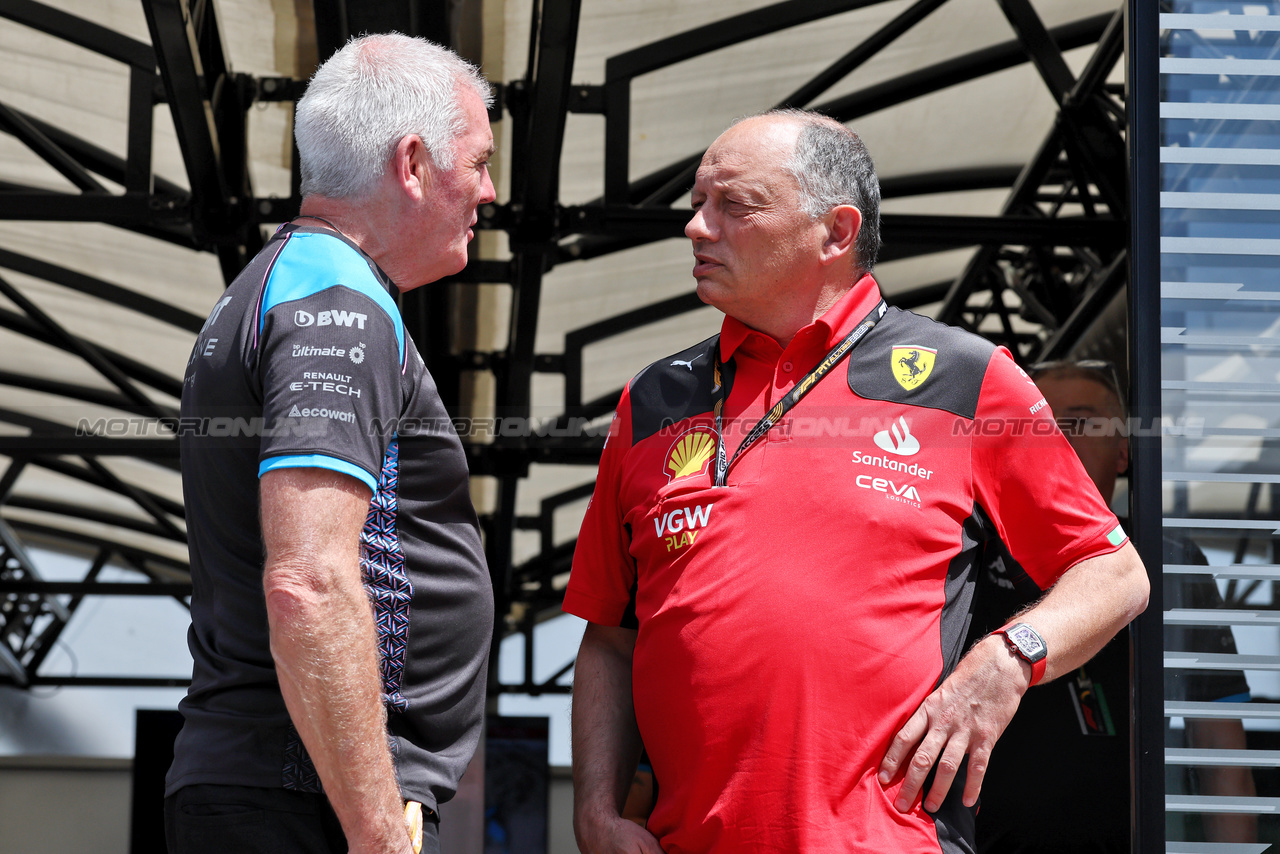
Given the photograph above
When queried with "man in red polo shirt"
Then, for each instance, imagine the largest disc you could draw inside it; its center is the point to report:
(777, 563)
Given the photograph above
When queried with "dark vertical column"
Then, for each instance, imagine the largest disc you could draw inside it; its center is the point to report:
(538, 138)
(1142, 99)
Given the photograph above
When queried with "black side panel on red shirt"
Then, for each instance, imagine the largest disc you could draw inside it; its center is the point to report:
(674, 389)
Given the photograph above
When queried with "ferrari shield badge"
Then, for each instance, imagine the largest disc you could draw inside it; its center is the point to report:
(911, 365)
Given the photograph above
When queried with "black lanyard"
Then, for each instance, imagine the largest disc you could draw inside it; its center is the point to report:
(724, 380)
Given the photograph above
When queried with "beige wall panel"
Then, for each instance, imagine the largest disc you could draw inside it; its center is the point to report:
(57, 811)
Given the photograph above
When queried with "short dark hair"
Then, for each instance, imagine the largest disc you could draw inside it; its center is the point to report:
(1097, 371)
(833, 167)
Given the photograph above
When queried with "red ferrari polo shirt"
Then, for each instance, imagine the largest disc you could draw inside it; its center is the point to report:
(790, 621)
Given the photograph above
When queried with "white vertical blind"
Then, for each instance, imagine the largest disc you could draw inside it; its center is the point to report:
(1220, 389)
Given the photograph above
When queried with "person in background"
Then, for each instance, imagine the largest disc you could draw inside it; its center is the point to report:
(1059, 776)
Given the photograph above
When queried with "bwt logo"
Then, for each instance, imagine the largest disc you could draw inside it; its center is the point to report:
(329, 318)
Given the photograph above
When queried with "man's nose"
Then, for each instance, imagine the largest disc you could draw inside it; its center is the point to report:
(698, 228)
(487, 193)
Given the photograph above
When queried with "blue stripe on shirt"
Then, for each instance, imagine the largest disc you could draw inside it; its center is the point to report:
(311, 263)
(317, 461)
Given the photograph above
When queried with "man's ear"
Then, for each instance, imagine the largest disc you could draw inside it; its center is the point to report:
(1122, 457)
(411, 167)
(843, 224)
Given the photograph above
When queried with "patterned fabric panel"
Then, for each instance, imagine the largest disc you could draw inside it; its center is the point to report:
(383, 572)
(299, 772)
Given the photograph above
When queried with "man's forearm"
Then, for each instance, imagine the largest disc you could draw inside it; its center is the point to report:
(325, 648)
(967, 713)
(1088, 606)
(606, 743)
(1224, 780)
(324, 645)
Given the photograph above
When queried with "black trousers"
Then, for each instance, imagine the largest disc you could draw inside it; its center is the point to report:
(210, 819)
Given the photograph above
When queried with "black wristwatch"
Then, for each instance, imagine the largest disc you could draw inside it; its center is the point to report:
(1027, 644)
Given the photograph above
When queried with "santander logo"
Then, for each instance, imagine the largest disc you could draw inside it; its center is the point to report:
(900, 442)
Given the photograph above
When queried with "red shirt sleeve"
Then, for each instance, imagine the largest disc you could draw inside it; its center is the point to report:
(603, 576)
(1031, 483)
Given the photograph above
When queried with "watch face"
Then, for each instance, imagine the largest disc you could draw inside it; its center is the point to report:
(1027, 641)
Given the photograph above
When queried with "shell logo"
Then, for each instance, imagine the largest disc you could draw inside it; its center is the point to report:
(690, 453)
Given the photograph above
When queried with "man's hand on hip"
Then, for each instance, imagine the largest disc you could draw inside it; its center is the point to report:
(617, 835)
(963, 717)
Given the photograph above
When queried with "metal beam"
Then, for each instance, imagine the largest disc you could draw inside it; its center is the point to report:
(46, 150)
(11, 474)
(725, 33)
(644, 225)
(95, 588)
(535, 189)
(871, 46)
(1044, 54)
(132, 553)
(73, 391)
(656, 187)
(536, 183)
(65, 466)
(104, 162)
(139, 497)
(187, 89)
(78, 346)
(51, 633)
(69, 510)
(127, 211)
(207, 103)
(1147, 729)
(829, 76)
(99, 446)
(130, 367)
(1085, 147)
(103, 290)
(80, 32)
(22, 615)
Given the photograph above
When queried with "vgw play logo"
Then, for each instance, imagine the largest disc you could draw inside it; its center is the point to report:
(680, 527)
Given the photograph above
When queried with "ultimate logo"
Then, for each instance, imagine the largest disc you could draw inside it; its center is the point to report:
(690, 453)
(911, 365)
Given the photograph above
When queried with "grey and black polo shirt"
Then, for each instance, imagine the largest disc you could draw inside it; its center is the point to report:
(305, 362)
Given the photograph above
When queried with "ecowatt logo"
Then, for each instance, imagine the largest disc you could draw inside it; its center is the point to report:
(331, 414)
(901, 442)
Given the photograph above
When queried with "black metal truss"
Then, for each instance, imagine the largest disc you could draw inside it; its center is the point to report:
(1043, 270)
(1056, 288)
(34, 612)
(1063, 232)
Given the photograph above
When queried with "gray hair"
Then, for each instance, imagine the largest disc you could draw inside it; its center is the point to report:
(367, 97)
(833, 168)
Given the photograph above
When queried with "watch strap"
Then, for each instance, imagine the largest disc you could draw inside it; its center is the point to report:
(1038, 663)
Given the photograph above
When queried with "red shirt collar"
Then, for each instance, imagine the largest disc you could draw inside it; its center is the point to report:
(836, 322)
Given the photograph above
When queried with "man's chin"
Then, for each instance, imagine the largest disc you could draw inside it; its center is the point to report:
(440, 270)
(710, 293)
